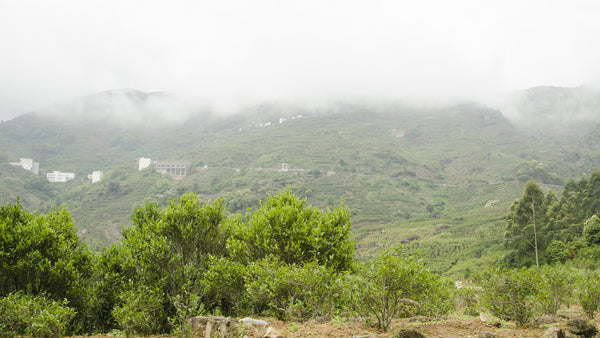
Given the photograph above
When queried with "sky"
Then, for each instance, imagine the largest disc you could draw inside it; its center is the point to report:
(229, 52)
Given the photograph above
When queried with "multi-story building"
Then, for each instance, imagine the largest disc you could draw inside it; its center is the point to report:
(173, 168)
(96, 176)
(59, 176)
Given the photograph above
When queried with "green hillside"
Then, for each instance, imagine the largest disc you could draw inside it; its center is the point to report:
(401, 171)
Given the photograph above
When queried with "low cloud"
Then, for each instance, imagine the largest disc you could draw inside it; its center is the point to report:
(234, 52)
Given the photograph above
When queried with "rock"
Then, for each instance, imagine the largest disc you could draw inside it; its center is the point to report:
(554, 332)
(215, 326)
(272, 333)
(546, 320)
(254, 322)
(580, 328)
(485, 319)
(409, 334)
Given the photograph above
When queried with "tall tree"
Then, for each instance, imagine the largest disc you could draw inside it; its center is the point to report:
(524, 219)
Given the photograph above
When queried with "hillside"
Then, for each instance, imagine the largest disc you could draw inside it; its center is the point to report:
(401, 171)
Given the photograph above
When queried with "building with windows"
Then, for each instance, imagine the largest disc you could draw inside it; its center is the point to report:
(96, 176)
(173, 168)
(59, 176)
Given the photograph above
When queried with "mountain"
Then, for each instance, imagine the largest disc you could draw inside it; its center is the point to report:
(403, 172)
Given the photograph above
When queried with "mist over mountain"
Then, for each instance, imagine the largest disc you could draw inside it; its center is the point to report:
(126, 108)
(556, 109)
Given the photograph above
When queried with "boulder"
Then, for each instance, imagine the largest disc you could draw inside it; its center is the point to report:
(254, 322)
(215, 326)
(554, 332)
(485, 319)
(409, 334)
(580, 328)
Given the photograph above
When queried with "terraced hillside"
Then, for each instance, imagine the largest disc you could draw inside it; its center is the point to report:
(401, 171)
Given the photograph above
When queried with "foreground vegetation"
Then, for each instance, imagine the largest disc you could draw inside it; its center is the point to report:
(286, 259)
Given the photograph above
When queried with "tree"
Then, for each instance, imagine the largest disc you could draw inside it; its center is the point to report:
(286, 228)
(591, 230)
(524, 219)
(42, 255)
(162, 256)
(557, 252)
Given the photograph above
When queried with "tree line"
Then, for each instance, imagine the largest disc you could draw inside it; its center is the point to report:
(544, 228)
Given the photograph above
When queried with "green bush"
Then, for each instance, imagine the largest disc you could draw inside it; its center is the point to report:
(141, 311)
(286, 228)
(36, 316)
(108, 280)
(467, 300)
(42, 255)
(398, 284)
(223, 286)
(510, 294)
(555, 289)
(588, 292)
(291, 291)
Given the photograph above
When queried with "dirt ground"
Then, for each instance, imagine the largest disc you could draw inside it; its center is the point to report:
(450, 326)
(447, 327)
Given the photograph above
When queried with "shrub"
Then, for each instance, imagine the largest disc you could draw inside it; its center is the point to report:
(35, 316)
(141, 311)
(285, 227)
(223, 286)
(467, 300)
(555, 289)
(291, 291)
(510, 293)
(588, 292)
(398, 284)
(42, 255)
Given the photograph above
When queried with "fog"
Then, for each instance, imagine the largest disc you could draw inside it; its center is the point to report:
(230, 53)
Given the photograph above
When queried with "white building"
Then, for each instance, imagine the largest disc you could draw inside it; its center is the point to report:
(59, 176)
(144, 162)
(28, 164)
(96, 176)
